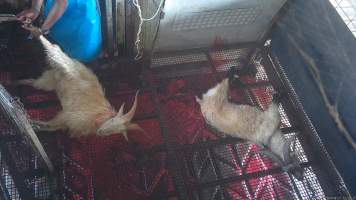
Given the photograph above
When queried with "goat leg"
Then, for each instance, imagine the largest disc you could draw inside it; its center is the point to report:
(51, 125)
(28, 82)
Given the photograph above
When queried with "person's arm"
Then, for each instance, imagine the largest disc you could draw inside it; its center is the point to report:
(36, 5)
(56, 12)
(31, 13)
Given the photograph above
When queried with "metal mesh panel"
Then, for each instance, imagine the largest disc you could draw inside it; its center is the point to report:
(24, 174)
(162, 61)
(347, 11)
(41, 187)
(223, 60)
(218, 18)
(7, 181)
(310, 187)
(75, 181)
(229, 54)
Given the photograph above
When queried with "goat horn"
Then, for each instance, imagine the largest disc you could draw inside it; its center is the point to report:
(128, 116)
(121, 111)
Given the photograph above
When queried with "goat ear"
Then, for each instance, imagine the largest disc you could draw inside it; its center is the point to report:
(133, 126)
(197, 100)
(223, 86)
(224, 83)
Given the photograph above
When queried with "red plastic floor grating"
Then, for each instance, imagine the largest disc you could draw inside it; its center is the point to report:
(114, 167)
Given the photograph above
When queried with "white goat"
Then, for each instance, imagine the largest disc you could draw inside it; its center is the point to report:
(246, 122)
(85, 108)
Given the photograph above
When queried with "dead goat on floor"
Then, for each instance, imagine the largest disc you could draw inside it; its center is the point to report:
(250, 123)
(85, 108)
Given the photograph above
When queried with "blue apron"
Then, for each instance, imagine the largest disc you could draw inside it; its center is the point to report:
(78, 31)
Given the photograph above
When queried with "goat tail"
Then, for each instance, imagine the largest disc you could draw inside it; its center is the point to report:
(45, 43)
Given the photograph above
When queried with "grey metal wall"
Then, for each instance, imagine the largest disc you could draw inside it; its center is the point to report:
(191, 24)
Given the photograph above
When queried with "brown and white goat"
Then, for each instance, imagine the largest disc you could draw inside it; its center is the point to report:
(85, 109)
(246, 122)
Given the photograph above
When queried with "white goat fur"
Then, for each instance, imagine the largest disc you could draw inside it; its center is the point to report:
(85, 108)
(243, 121)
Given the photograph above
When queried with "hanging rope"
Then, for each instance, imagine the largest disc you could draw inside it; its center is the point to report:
(141, 20)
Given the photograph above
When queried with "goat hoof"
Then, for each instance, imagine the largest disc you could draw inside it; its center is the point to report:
(38, 125)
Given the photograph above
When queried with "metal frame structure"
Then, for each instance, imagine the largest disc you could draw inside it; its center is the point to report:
(25, 175)
(211, 169)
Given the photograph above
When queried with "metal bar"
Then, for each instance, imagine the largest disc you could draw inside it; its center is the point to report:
(4, 193)
(109, 27)
(249, 176)
(173, 156)
(275, 79)
(120, 23)
(213, 160)
(281, 13)
(249, 45)
(243, 170)
(212, 66)
(309, 140)
(295, 186)
(179, 70)
(23, 127)
(276, 192)
(33, 173)
(224, 141)
(7, 18)
(208, 144)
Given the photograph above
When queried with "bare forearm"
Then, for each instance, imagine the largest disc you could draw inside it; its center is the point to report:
(56, 12)
(37, 4)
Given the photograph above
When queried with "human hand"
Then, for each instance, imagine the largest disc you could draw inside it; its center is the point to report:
(29, 14)
(35, 31)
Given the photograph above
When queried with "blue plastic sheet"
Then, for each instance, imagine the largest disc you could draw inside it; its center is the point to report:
(78, 31)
